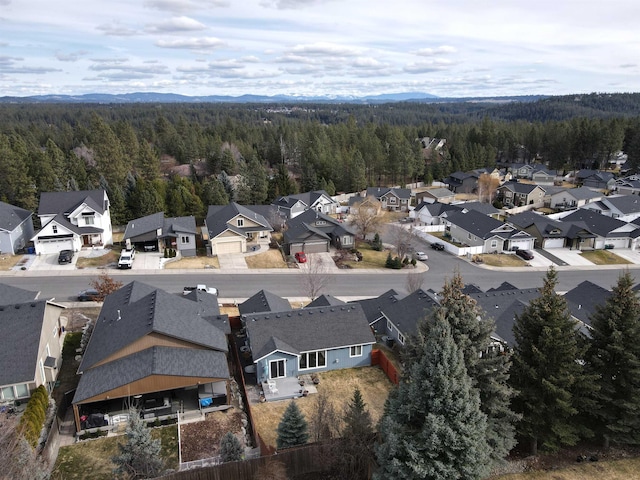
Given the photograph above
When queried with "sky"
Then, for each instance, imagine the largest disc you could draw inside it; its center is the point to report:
(447, 48)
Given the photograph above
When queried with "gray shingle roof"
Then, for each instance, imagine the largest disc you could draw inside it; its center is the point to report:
(379, 192)
(332, 227)
(263, 301)
(309, 329)
(582, 193)
(477, 224)
(595, 222)
(66, 202)
(484, 208)
(406, 313)
(142, 225)
(12, 216)
(583, 299)
(625, 203)
(325, 301)
(21, 325)
(309, 198)
(173, 361)
(138, 309)
(218, 217)
(300, 232)
(174, 226)
(373, 307)
(10, 295)
(519, 187)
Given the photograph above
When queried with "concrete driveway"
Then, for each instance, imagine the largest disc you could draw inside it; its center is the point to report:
(232, 261)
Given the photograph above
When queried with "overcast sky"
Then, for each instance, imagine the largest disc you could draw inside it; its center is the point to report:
(450, 48)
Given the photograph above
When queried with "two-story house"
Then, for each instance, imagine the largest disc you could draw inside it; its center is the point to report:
(235, 228)
(16, 228)
(392, 199)
(72, 220)
(516, 194)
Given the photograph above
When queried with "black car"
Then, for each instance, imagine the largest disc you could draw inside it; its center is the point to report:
(89, 295)
(437, 246)
(526, 254)
(65, 256)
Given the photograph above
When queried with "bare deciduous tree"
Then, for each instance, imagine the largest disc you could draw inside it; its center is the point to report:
(325, 421)
(105, 285)
(315, 276)
(414, 281)
(367, 216)
(401, 238)
(487, 188)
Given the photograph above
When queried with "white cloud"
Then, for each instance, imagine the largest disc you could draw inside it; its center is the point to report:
(183, 6)
(176, 24)
(117, 30)
(203, 43)
(428, 52)
(291, 4)
(71, 56)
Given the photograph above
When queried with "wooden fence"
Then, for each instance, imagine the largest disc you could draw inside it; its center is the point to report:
(379, 358)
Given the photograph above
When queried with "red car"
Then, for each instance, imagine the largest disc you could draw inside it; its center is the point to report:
(301, 257)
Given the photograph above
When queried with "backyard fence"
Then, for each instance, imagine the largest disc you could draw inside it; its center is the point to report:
(379, 358)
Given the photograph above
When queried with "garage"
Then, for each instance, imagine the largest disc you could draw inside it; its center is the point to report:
(309, 247)
(553, 243)
(54, 245)
(223, 248)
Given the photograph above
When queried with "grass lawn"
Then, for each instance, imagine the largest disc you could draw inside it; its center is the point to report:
(92, 458)
(111, 256)
(502, 260)
(272, 258)
(7, 262)
(193, 263)
(604, 257)
(339, 384)
(370, 258)
(609, 470)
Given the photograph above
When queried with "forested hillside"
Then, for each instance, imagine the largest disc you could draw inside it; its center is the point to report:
(133, 150)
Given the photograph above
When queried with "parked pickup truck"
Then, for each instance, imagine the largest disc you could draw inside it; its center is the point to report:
(202, 288)
(126, 258)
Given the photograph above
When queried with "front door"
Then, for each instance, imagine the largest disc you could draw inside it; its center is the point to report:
(277, 369)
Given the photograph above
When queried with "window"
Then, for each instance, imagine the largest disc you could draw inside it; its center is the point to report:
(401, 338)
(240, 222)
(321, 222)
(355, 351)
(313, 360)
(22, 390)
(89, 220)
(54, 228)
(494, 243)
(184, 239)
(389, 326)
(8, 393)
(277, 369)
(15, 391)
(391, 199)
(347, 240)
(55, 331)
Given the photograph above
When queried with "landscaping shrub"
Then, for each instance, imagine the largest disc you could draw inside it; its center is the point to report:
(33, 417)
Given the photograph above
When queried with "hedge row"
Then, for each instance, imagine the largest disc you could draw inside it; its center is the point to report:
(34, 415)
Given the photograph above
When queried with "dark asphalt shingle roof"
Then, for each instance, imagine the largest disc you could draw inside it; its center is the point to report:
(478, 224)
(484, 208)
(138, 309)
(308, 220)
(64, 222)
(581, 193)
(174, 226)
(21, 325)
(10, 295)
(583, 299)
(595, 222)
(12, 216)
(309, 198)
(171, 361)
(218, 217)
(325, 301)
(373, 307)
(142, 225)
(519, 187)
(66, 202)
(379, 192)
(406, 313)
(625, 203)
(263, 301)
(308, 329)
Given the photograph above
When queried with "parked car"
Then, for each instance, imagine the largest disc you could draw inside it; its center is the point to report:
(88, 295)
(201, 288)
(65, 256)
(437, 246)
(421, 256)
(126, 258)
(301, 257)
(526, 254)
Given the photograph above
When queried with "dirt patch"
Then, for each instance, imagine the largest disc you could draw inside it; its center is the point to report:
(339, 384)
(202, 439)
(193, 263)
(7, 262)
(269, 259)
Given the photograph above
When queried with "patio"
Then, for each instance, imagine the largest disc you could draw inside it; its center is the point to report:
(288, 387)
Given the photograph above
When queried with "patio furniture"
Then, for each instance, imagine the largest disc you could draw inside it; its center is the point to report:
(273, 388)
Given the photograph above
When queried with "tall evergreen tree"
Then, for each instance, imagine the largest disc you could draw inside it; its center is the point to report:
(432, 427)
(489, 370)
(548, 371)
(292, 429)
(140, 456)
(353, 454)
(614, 357)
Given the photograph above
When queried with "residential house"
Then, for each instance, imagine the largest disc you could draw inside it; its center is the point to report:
(155, 232)
(461, 182)
(433, 213)
(325, 300)
(16, 228)
(550, 233)
(482, 207)
(516, 194)
(31, 343)
(318, 200)
(392, 199)
(156, 350)
(596, 179)
(263, 301)
(584, 299)
(235, 228)
(358, 201)
(624, 207)
(522, 170)
(629, 185)
(433, 195)
(72, 220)
(314, 232)
(474, 229)
(610, 232)
(294, 342)
(396, 317)
(543, 176)
(290, 205)
(570, 198)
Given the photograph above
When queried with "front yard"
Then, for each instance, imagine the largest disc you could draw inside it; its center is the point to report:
(272, 258)
(339, 385)
(370, 258)
(193, 263)
(7, 262)
(604, 257)
(500, 260)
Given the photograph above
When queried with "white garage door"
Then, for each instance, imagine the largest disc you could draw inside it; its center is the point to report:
(554, 243)
(523, 244)
(55, 245)
(228, 247)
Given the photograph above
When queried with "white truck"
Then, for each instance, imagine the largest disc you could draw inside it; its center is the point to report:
(202, 288)
(126, 258)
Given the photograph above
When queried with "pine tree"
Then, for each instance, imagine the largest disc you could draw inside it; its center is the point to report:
(376, 244)
(614, 357)
(547, 371)
(353, 454)
(230, 448)
(140, 456)
(432, 427)
(292, 430)
(357, 419)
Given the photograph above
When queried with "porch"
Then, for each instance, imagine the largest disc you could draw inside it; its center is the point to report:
(287, 387)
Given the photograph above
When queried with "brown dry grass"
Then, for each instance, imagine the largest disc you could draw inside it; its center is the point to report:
(340, 385)
(202, 439)
(7, 262)
(502, 260)
(193, 263)
(272, 258)
(604, 257)
(370, 258)
(110, 256)
(610, 470)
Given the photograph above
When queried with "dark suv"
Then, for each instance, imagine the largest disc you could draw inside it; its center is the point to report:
(526, 254)
(437, 246)
(65, 256)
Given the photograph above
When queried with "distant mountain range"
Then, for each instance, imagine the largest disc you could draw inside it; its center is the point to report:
(152, 97)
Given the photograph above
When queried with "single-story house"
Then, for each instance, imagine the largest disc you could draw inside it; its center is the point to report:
(583, 300)
(263, 301)
(235, 228)
(155, 232)
(16, 228)
(155, 350)
(442, 195)
(73, 220)
(629, 185)
(433, 213)
(610, 232)
(624, 207)
(569, 198)
(596, 179)
(550, 233)
(314, 232)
